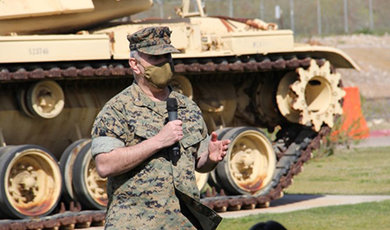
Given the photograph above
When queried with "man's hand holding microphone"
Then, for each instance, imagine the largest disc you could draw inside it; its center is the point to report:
(172, 133)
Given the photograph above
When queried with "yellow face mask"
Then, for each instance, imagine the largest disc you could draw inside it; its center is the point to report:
(159, 75)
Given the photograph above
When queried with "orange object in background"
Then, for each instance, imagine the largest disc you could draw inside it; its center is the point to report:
(353, 123)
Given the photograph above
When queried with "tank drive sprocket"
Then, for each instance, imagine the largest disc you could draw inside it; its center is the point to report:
(311, 96)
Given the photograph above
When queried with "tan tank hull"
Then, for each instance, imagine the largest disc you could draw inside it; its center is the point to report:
(243, 74)
(81, 106)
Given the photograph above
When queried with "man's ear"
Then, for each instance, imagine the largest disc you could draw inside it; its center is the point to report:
(133, 65)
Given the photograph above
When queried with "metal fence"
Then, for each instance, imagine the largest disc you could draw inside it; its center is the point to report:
(304, 17)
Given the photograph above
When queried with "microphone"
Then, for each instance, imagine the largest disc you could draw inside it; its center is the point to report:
(172, 109)
(172, 115)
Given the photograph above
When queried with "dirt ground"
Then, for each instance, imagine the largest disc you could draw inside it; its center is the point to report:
(372, 54)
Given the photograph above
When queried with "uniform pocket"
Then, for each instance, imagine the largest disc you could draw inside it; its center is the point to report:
(146, 129)
(191, 139)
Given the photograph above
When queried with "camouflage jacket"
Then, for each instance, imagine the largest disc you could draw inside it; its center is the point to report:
(146, 197)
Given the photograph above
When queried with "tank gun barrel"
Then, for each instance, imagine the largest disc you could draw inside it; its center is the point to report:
(60, 16)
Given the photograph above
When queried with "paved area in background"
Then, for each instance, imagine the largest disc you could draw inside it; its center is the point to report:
(376, 138)
(374, 142)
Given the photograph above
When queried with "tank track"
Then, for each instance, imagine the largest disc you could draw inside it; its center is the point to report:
(101, 69)
(65, 220)
(293, 146)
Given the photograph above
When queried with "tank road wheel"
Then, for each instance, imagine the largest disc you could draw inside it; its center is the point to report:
(182, 85)
(45, 99)
(249, 164)
(30, 181)
(201, 180)
(67, 160)
(21, 96)
(310, 97)
(89, 187)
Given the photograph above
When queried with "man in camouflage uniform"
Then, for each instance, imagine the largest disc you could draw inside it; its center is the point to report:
(131, 143)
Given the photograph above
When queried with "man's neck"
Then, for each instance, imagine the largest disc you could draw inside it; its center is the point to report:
(155, 94)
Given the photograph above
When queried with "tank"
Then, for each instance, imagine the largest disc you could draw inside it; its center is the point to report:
(60, 61)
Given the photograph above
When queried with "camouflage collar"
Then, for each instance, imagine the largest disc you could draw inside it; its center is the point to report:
(142, 100)
(180, 100)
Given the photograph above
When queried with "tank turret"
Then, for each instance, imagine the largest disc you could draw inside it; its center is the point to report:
(60, 16)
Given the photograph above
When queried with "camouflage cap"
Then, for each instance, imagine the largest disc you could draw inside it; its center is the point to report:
(152, 41)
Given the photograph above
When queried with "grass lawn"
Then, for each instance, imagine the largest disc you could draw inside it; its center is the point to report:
(354, 171)
(365, 216)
